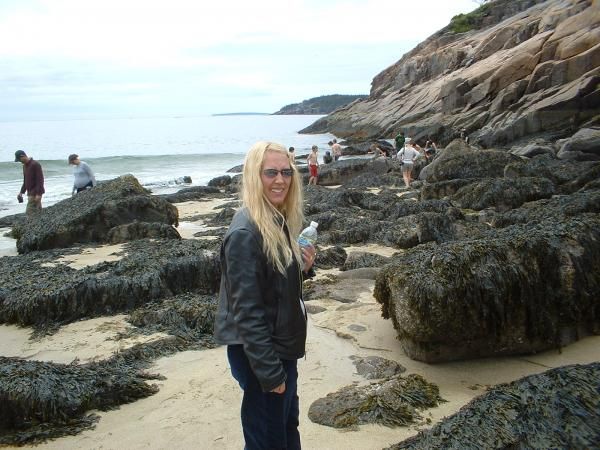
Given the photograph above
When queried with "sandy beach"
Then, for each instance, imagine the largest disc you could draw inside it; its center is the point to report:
(198, 403)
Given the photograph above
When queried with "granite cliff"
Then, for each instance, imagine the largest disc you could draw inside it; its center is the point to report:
(525, 70)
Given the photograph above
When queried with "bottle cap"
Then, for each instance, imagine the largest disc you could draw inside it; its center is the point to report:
(314, 224)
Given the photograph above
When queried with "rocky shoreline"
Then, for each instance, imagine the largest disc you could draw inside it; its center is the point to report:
(489, 254)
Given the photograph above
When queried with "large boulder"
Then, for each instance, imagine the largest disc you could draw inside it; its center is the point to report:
(341, 171)
(394, 401)
(559, 408)
(141, 230)
(40, 289)
(442, 189)
(583, 145)
(91, 214)
(519, 289)
(502, 193)
(559, 171)
(459, 161)
(191, 193)
(41, 400)
(559, 207)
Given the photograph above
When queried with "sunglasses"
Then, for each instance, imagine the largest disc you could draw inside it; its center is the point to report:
(272, 173)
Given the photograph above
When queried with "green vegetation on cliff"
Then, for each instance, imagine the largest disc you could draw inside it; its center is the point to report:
(320, 105)
(471, 21)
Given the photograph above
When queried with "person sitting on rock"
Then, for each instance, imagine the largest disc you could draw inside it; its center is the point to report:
(376, 150)
(430, 151)
(327, 158)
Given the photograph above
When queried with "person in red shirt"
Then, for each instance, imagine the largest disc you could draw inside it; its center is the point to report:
(33, 182)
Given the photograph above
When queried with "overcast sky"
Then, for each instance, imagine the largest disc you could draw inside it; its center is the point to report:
(130, 58)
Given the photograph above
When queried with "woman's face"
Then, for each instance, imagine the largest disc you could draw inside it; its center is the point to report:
(275, 187)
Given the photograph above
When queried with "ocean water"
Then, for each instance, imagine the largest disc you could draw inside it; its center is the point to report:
(157, 151)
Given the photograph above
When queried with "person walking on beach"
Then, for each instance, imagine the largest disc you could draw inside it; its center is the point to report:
(292, 152)
(408, 156)
(313, 165)
(84, 177)
(336, 149)
(33, 183)
(261, 315)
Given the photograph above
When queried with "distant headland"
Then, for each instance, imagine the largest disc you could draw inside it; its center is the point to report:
(324, 104)
(242, 114)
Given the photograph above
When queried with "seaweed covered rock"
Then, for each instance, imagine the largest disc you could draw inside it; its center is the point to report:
(409, 231)
(331, 257)
(403, 208)
(12, 220)
(90, 215)
(319, 199)
(41, 400)
(588, 179)
(558, 207)
(559, 408)
(459, 161)
(502, 193)
(358, 260)
(373, 367)
(40, 290)
(188, 316)
(222, 181)
(344, 170)
(519, 289)
(394, 401)
(141, 230)
(443, 189)
(191, 193)
(556, 170)
(391, 178)
(223, 217)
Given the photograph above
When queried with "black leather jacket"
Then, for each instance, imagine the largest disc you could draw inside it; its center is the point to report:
(258, 306)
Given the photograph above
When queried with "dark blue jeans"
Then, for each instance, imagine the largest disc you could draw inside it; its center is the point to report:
(269, 420)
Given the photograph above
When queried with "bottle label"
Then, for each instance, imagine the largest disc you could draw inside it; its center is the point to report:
(303, 242)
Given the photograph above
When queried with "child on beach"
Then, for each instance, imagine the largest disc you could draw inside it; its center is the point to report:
(313, 165)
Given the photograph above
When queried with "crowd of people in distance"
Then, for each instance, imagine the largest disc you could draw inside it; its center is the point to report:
(33, 180)
(406, 149)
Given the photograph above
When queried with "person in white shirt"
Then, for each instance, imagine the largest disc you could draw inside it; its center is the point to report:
(408, 155)
(84, 177)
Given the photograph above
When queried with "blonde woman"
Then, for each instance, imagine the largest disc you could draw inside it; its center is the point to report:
(261, 315)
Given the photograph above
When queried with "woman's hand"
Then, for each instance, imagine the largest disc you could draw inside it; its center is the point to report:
(308, 256)
(279, 389)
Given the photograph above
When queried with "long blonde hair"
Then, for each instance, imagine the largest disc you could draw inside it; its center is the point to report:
(268, 218)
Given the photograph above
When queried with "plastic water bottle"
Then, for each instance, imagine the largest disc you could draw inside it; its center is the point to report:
(309, 235)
